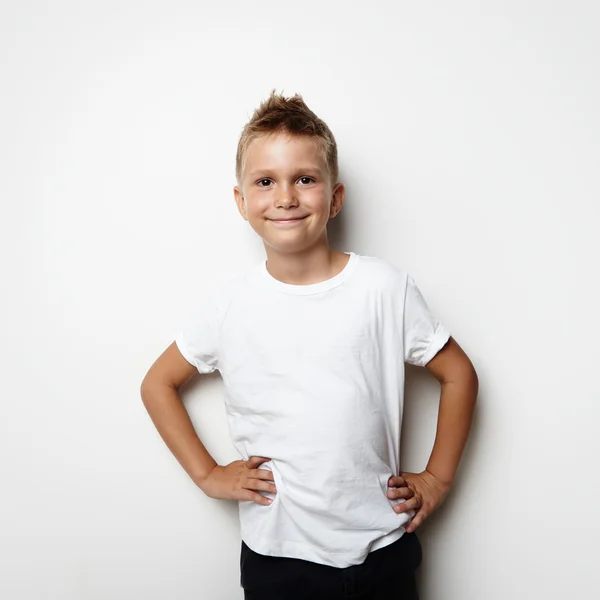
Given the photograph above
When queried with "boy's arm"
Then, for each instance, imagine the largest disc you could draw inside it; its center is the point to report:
(459, 388)
(425, 491)
(159, 392)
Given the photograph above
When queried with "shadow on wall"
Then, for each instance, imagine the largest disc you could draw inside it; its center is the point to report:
(438, 525)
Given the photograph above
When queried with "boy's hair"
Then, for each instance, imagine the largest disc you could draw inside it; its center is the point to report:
(289, 115)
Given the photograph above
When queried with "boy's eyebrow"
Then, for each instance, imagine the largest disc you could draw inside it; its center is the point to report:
(299, 170)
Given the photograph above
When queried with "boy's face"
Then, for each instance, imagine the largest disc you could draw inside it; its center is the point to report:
(285, 179)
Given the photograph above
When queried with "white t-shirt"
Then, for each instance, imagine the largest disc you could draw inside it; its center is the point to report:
(314, 380)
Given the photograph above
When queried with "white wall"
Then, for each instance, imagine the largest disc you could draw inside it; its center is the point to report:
(468, 136)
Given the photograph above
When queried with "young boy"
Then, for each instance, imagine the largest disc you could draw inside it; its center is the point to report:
(311, 345)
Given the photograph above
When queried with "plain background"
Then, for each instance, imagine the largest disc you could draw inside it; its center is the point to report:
(468, 137)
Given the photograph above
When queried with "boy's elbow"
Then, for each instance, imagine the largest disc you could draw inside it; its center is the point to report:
(146, 389)
(473, 380)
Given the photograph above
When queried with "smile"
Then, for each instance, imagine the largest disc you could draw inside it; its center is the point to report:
(287, 221)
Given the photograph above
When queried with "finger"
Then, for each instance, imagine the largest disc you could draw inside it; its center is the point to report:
(252, 483)
(402, 492)
(254, 461)
(396, 481)
(256, 497)
(262, 474)
(417, 520)
(410, 504)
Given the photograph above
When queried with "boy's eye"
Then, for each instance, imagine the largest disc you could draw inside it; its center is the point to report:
(261, 181)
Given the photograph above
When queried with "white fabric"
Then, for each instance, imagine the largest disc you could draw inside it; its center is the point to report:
(314, 380)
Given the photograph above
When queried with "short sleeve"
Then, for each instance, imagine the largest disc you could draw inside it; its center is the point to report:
(198, 341)
(423, 334)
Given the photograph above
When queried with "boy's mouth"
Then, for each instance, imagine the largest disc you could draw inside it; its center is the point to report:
(282, 221)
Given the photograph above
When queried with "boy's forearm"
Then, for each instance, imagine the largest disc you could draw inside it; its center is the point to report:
(175, 427)
(457, 404)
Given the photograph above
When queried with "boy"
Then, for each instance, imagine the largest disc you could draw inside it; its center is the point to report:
(311, 345)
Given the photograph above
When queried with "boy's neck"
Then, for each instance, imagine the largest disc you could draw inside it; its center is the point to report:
(304, 268)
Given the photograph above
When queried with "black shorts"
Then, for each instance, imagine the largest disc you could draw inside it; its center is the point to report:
(387, 573)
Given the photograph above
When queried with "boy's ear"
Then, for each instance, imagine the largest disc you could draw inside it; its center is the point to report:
(241, 203)
(337, 199)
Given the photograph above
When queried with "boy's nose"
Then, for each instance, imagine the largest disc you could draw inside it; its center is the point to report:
(286, 198)
(286, 201)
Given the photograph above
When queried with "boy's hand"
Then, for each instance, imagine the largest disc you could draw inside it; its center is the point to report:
(237, 480)
(423, 492)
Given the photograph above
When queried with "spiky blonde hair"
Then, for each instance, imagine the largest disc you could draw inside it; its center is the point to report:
(291, 115)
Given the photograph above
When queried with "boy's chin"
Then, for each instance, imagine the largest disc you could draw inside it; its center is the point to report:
(287, 246)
